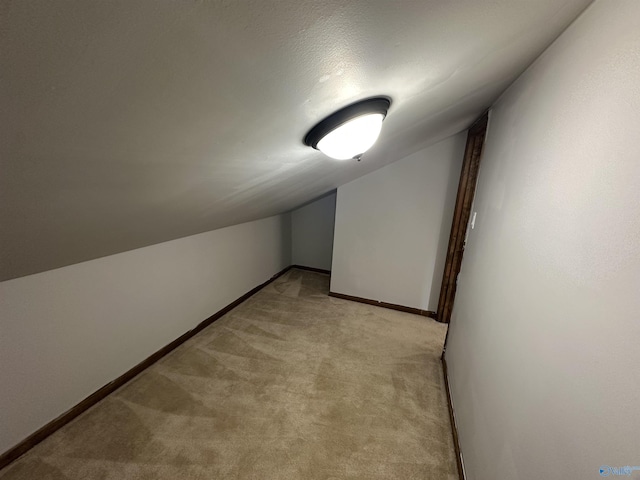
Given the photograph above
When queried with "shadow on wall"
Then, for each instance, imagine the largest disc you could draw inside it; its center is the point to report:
(286, 247)
(312, 228)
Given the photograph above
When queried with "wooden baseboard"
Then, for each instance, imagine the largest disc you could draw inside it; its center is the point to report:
(42, 433)
(377, 303)
(454, 428)
(312, 269)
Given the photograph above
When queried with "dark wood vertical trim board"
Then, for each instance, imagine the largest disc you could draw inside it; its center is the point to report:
(452, 417)
(461, 213)
(42, 433)
(378, 303)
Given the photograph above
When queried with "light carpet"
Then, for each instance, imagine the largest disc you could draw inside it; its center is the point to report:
(292, 384)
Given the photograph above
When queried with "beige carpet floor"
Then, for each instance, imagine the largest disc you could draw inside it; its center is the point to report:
(292, 384)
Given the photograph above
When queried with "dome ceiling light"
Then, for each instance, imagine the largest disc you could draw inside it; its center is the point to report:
(350, 131)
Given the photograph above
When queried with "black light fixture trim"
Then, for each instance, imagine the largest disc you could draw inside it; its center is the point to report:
(333, 121)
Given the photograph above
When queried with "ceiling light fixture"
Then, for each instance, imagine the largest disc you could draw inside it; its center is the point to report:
(350, 131)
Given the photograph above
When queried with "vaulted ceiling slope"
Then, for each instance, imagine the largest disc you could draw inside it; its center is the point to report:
(131, 122)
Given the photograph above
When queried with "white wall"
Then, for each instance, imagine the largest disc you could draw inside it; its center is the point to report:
(67, 332)
(544, 347)
(312, 233)
(393, 225)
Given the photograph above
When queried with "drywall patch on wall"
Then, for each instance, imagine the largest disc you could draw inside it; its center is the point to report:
(543, 348)
(392, 228)
(312, 233)
(65, 333)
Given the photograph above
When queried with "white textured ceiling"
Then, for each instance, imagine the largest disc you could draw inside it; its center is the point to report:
(128, 123)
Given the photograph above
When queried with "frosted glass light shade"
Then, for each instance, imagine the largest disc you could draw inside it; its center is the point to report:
(353, 137)
(350, 131)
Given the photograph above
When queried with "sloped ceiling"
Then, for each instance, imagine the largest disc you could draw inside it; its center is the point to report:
(128, 123)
